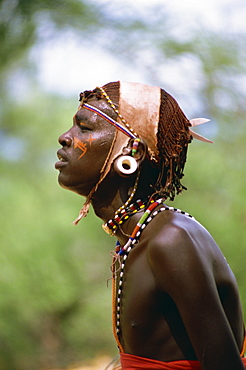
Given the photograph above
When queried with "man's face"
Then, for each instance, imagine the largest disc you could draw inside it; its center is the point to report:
(84, 150)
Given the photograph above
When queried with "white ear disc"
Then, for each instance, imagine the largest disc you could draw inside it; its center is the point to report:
(126, 164)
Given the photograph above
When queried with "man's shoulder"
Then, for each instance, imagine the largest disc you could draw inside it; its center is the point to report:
(174, 237)
(172, 230)
(179, 250)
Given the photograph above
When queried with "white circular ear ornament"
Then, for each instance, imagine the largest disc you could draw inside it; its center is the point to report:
(126, 165)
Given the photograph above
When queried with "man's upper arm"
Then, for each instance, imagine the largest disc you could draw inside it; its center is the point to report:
(184, 271)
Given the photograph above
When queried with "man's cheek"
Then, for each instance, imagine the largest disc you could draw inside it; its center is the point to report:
(81, 146)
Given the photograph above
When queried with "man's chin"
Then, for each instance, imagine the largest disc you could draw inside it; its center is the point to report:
(67, 186)
(63, 183)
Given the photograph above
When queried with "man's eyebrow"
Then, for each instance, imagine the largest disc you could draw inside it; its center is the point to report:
(78, 120)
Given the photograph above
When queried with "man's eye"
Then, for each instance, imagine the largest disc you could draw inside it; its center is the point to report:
(83, 126)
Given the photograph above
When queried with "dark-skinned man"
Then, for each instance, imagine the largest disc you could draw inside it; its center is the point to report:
(176, 300)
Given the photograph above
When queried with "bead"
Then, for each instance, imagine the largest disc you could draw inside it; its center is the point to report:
(130, 243)
(127, 130)
(123, 214)
(116, 111)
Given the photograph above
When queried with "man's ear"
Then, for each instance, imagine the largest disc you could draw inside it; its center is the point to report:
(137, 148)
(132, 157)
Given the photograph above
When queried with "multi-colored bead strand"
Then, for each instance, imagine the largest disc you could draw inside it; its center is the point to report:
(136, 231)
(125, 213)
(117, 111)
(107, 228)
(132, 194)
(147, 217)
(135, 146)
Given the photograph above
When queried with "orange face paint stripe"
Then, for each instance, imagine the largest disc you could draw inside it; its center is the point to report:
(90, 140)
(82, 146)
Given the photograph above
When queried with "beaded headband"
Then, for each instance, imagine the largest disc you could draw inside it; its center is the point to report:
(110, 120)
(130, 132)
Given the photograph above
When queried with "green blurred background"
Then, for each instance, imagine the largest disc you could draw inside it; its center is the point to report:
(55, 305)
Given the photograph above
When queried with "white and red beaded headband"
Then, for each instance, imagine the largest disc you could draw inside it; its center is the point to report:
(127, 129)
(110, 120)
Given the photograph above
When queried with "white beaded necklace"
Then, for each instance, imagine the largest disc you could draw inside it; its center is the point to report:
(125, 250)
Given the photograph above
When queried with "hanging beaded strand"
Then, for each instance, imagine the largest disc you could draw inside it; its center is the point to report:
(120, 215)
(117, 111)
(110, 120)
(134, 150)
(131, 196)
(143, 222)
(119, 210)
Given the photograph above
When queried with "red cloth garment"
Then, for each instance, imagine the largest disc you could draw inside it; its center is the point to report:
(131, 362)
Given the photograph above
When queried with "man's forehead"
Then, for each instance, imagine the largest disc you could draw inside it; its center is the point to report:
(84, 115)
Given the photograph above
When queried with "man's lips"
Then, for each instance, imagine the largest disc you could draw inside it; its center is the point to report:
(62, 159)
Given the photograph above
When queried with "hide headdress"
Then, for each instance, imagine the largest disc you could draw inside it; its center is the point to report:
(153, 115)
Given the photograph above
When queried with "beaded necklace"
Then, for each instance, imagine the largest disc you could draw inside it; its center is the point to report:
(123, 215)
(147, 217)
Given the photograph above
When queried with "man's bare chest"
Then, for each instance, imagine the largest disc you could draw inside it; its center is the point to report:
(148, 320)
(138, 304)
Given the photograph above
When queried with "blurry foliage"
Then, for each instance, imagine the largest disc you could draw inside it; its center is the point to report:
(54, 299)
(22, 20)
(55, 307)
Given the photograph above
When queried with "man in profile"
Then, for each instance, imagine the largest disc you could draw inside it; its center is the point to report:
(176, 300)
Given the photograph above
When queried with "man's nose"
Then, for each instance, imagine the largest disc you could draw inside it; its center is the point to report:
(66, 139)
